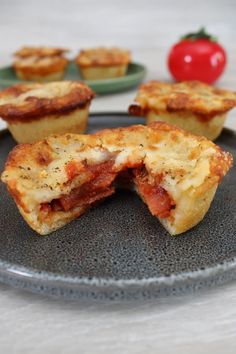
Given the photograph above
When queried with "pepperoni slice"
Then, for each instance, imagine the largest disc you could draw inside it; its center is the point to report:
(99, 186)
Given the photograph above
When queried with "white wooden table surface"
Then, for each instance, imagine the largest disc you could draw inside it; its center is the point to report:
(203, 322)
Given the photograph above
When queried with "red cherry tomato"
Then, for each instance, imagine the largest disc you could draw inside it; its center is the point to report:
(197, 57)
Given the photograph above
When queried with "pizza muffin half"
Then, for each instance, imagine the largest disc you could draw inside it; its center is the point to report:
(40, 64)
(58, 179)
(103, 63)
(191, 105)
(33, 111)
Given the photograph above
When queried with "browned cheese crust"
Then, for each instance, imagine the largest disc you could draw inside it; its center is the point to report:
(26, 52)
(27, 102)
(103, 57)
(190, 97)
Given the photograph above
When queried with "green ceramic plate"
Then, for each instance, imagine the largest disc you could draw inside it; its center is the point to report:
(134, 76)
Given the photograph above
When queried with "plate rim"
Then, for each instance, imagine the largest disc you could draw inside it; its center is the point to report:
(21, 273)
(14, 272)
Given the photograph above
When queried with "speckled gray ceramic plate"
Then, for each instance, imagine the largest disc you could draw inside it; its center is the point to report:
(118, 250)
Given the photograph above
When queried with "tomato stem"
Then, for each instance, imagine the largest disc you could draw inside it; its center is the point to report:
(201, 34)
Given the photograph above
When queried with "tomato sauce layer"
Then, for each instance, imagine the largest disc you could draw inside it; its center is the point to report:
(155, 196)
(101, 185)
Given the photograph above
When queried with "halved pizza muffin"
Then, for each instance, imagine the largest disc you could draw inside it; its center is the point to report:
(191, 105)
(41, 64)
(103, 63)
(175, 173)
(34, 111)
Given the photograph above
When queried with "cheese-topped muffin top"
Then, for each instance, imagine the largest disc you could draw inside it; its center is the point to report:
(190, 96)
(25, 52)
(32, 101)
(103, 57)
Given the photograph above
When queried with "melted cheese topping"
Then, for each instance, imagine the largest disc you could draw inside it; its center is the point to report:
(48, 90)
(38, 62)
(183, 160)
(191, 96)
(39, 52)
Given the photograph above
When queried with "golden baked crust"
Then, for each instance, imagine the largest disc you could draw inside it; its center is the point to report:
(185, 97)
(35, 130)
(103, 57)
(27, 102)
(102, 72)
(211, 128)
(179, 168)
(42, 66)
(27, 51)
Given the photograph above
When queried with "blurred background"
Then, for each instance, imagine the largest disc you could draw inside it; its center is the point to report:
(133, 23)
(147, 27)
(136, 24)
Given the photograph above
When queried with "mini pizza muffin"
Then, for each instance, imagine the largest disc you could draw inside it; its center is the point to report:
(41, 64)
(103, 63)
(191, 105)
(44, 69)
(59, 178)
(33, 111)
